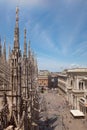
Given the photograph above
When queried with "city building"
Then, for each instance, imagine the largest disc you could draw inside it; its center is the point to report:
(43, 78)
(73, 82)
(62, 82)
(77, 88)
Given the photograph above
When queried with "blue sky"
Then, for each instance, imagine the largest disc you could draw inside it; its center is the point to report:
(57, 30)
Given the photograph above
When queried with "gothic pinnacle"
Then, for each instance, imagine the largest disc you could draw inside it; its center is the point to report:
(17, 17)
(29, 50)
(25, 44)
(16, 32)
(0, 48)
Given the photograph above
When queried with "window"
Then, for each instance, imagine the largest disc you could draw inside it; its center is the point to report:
(81, 85)
(71, 82)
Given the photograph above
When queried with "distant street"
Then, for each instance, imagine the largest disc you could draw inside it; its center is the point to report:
(56, 114)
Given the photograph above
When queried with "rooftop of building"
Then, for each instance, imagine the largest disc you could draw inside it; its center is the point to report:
(77, 70)
(43, 72)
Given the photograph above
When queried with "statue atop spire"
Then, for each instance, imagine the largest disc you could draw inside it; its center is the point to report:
(16, 32)
(25, 44)
(17, 17)
(29, 50)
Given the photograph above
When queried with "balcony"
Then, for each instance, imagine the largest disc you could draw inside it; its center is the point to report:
(77, 91)
(69, 87)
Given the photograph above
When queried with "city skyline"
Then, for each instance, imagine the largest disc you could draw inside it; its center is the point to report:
(57, 30)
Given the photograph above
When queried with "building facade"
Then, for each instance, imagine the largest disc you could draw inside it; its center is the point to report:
(62, 82)
(43, 78)
(74, 84)
(77, 88)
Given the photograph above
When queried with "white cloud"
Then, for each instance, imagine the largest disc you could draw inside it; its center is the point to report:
(71, 2)
(74, 65)
(69, 38)
(48, 43)
(54, 65)
(81, 49)
(23, 3)
(51, 63)
(44, 40)
(48, 63)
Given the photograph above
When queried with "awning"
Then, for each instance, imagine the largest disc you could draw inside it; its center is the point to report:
(77, 113)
